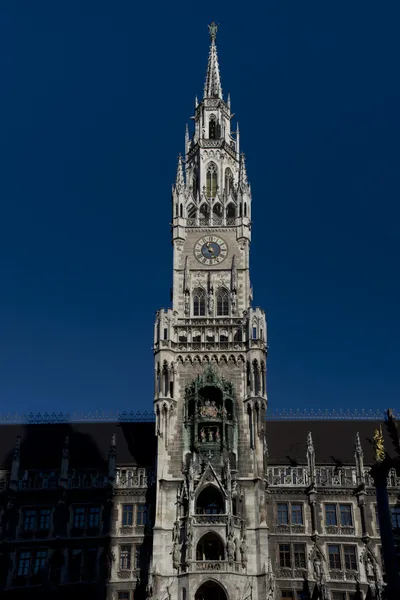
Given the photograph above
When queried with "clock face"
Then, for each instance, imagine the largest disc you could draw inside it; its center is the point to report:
(210, 250)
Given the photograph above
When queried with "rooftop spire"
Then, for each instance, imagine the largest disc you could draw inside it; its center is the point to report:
(179, 182)
(212, 87)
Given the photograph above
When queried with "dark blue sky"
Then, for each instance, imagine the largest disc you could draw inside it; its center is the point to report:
(93, 105)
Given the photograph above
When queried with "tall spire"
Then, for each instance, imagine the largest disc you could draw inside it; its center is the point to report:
(212, 86)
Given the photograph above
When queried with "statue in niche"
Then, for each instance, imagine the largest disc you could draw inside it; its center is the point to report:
(210, 435)
(176, 555)
(203, 435)
(176, 531)
(318, 568)
(217, 436)
(187, 304)
(243, 552)
(230, 548)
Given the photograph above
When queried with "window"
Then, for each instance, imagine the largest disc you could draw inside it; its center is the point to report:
(75, 564)
(31, 564)
(123, 595)
(199, 303)
(24, 563)
(237, 336)
(350, 558)
(127, 515)
(287, 594)
(346, 518)
(44, 519)
(222, 303)
(284, 555)
(79, 517)
(137, 557)
(94, 517)
(292, 513)
(254, 333)
(283, 513)
(212, 127)
(299, 556)
(29, 522)
(297, 514)
(125, 558)
(338, 595)
(86, 516)
(334, 557)
(395, 515)
(211, 181)
(165, 333)
(330, 514)
(141, 514)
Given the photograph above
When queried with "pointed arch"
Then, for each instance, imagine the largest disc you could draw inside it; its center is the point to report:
(223, 335)
(191, 211)
(237, 335)
(211, 180)
(210, 547)
(199, 302)
(204, 213)
(210, 501)
(196, 336)
(230, 213)
(222, 298)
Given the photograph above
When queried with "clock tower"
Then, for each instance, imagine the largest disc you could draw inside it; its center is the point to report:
(210, 534)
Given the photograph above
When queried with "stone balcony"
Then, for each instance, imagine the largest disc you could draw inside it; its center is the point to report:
(220, 566)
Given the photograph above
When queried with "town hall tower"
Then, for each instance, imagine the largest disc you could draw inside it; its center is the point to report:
(210, 534)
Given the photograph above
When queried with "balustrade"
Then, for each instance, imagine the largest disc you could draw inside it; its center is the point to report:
(217, 565)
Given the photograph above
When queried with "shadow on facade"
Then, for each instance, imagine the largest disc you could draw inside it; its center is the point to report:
(58, 510)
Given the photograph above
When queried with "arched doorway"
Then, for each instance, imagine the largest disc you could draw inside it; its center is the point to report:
(210, 590)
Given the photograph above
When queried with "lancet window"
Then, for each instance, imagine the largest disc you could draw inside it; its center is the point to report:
(199, 303)
(222, 303)
(211, 180)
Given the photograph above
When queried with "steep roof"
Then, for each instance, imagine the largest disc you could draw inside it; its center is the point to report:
(89, 443)
(333, 440)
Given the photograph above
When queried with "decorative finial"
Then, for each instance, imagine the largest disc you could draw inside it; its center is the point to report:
(379, 445)
(212, 30)
(310, 445)
(358, 444)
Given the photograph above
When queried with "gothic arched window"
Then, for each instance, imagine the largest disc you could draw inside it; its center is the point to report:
(212, 127)
(211, 180)
(199, 303)
(222, 303)
(228, 181)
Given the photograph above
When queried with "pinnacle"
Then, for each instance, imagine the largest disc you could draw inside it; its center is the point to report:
(179, 182)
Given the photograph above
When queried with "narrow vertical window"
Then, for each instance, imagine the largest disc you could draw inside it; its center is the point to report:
(211, 181)
(330, 514)
(334, 557)
(125, 558)
(283, 513)
(222, 303)
(346, 518)
(284, 555)
(199, 303)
